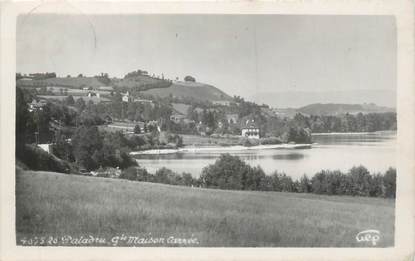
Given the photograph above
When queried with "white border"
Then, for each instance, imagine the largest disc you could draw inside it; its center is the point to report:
(404, 221)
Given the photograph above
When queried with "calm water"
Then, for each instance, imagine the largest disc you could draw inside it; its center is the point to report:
(376, 151)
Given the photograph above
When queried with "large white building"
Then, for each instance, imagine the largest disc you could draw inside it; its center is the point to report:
(250, 130)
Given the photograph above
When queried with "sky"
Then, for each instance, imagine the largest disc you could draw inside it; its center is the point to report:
(255, 56)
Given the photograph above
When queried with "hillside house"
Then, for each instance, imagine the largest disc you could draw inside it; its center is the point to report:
(223, 103)
(91, 94)
(176, 117)
(250, 129)
(106, 88)
(36, 105)
(126, 97)
(144, 101)
(126, 128)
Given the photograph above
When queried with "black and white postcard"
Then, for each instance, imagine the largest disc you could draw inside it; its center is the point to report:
(246, 130)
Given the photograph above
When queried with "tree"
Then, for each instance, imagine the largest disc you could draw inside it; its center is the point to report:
(360, 181)
(86, 141)
(229, 172)
(304, 184)
(189, 78)
(389, 181)
(137, 129)
(70, 100)
(129, 173)
(80, 104)
(22, 118)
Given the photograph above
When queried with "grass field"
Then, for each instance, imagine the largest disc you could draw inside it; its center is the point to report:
(52, 204)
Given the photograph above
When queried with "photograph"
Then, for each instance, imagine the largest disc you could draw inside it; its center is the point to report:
(206, 130)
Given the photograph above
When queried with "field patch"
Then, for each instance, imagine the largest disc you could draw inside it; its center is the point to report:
(53, 204)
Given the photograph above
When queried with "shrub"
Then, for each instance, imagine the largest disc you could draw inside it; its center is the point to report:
(389, 180)
(129, 173)
(270, 141)
(38, 159)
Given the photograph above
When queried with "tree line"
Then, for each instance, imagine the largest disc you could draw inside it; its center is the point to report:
(348, 122)
(231, 173)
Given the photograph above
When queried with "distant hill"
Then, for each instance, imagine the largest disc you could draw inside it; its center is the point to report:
(296, 99)
(336, 108)
(194, 90)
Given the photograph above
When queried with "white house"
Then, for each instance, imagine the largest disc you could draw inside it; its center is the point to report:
(126, 97)
(250, 129)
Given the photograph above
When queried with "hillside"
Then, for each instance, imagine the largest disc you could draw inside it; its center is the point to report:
(336, 109)
(56, 204)
(194, 90)
(140, 83)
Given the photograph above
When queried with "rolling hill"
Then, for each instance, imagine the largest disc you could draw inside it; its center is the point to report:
(194, 90)
(337, 108)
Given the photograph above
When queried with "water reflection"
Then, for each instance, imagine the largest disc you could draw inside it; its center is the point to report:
(291, 156)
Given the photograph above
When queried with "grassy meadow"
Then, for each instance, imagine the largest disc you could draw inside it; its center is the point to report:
(53, 204)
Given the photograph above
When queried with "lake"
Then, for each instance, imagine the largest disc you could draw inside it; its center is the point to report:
(376, 151)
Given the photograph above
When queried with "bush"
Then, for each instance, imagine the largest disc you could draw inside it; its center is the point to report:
(189, 78)
(270, 141)
(389, 181)
(230, 172)
(247, 142)
(130, 173)
(38, 159)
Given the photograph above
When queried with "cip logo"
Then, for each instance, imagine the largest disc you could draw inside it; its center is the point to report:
(370, 235)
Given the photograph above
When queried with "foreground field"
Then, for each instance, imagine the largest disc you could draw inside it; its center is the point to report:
(52, 204)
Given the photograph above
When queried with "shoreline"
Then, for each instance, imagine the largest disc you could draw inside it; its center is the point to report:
(221, 148)
(351, 133)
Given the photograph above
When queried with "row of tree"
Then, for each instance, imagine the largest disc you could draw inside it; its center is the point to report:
(232, 173)
(348, 122)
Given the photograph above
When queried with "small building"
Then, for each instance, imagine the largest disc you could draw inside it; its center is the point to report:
(46, 147)
(91, 94)
(176, 117)
(250, 129)
(106, 88)
(222, 102)
(126, 97)
(122, 126)
(144, 101)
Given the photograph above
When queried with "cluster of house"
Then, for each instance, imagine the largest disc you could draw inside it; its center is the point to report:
(36, 105)
(249, 128)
